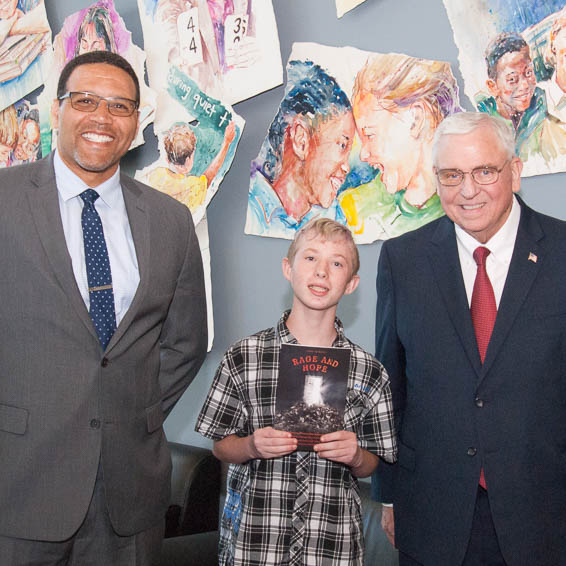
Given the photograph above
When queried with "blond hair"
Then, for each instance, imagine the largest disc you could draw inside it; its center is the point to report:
(9, 127)
(179, 142)
(403, 80)
(327, 229)
(557, 26)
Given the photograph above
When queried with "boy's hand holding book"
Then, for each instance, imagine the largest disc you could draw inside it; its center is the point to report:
(342, 446)
(270, 443)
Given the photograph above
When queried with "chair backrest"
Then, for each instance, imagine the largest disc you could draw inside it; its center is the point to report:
(195, 491)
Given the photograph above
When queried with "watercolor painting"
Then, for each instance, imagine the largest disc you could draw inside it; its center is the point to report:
(179, 33)
(197, 146)
(248, 47)
(230, 48)
(198, 131)
(352, 141)
(98, 27)
(513, 59)
(178, 177)
(195, 154)
(20, 140)
(304, 159)
(343, 6)
(25, 40)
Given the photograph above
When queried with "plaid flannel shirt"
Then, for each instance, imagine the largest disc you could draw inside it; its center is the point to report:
(301, 508)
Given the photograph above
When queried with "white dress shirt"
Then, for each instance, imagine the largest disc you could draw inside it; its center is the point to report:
(501, 246)
(112, 211)
(555, 98)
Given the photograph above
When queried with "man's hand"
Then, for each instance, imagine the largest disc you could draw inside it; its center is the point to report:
(388, 523)
(340, 446)
(270, 443)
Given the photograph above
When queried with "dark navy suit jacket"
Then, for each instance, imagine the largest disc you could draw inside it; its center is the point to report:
(455, 415)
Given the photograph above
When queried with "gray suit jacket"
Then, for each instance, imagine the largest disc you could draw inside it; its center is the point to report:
(64, 403)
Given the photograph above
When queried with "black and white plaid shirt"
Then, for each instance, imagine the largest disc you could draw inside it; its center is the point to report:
(301, 508)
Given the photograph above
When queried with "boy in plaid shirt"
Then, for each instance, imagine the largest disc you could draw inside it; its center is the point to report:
(284, 506)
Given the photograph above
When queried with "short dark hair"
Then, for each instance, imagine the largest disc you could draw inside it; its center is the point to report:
(106, 57)
(312, 93)
(499, 46)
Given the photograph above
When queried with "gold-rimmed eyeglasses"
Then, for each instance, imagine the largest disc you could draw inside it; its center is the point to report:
(88, 102)
(484, 175)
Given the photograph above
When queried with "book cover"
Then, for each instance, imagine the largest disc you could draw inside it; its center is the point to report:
(311, 391)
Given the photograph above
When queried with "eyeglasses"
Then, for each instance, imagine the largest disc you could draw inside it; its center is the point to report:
(485, 175)
(88, 102)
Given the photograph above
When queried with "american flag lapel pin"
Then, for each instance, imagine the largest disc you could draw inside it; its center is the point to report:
(532, 257)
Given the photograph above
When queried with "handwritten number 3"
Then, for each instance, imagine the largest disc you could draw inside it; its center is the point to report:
(240, 29)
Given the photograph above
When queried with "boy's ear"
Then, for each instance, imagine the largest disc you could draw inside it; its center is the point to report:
(286, 268)
(492, 87)
(352, 285)
(300, 137)
(418, 113)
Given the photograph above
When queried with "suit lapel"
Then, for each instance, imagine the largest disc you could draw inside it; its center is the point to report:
(44, 204)
(139, 225)
(445, 261)
(521, 275)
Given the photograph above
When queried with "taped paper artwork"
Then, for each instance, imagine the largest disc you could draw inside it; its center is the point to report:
(351, 141)
(25, 42)
(513, 59)
(95, 28)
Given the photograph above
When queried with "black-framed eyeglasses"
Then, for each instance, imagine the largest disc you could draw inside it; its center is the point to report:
(484, 175)
(88, 102)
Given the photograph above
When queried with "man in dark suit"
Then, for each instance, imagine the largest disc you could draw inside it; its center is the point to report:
(103, 327)
(476, 351)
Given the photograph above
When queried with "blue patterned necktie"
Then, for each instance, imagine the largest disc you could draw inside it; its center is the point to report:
(98, 273)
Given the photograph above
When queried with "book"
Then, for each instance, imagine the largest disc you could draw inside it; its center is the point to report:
(311, 392)
(18, 52)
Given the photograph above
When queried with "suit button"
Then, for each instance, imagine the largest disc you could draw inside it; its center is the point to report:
(104, 362)
(472, 451)
(479, 402)
(94, 423)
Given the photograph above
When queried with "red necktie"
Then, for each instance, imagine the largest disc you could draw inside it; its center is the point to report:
(484, 311)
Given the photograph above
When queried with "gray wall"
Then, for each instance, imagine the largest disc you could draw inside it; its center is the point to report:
(249, 291)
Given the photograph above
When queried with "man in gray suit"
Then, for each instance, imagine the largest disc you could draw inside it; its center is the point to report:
(86, 382)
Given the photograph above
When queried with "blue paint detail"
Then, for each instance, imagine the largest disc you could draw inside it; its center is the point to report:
(233, 509)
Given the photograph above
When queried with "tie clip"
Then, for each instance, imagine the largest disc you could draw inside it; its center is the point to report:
(101, 288)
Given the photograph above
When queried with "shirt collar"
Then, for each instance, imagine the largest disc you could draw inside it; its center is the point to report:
(555, 93)
(286, 337)
(71, 185)
(502, 243)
